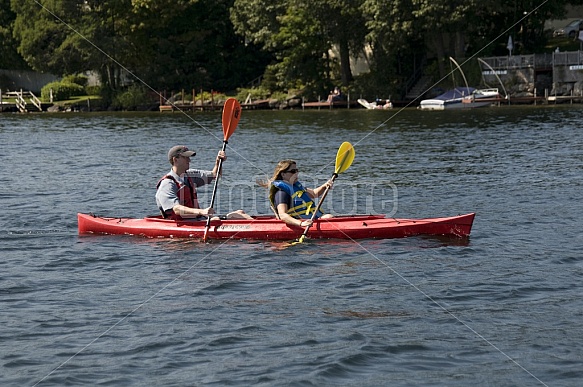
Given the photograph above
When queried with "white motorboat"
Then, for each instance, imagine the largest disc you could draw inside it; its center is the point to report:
(460, 98)
(379, 104)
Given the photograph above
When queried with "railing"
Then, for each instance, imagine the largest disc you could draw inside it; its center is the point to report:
(568, 58)
(20, 102)
(35, 101)
(536, 61)
(256, 82)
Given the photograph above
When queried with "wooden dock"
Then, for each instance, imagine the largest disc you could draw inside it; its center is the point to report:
(330, 105)
(257, 104)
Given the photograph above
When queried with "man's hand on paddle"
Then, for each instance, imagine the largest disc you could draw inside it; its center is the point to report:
(207, 211)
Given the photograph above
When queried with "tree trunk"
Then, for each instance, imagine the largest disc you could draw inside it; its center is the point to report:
(460, 45)
(440, 51)
(345, 70)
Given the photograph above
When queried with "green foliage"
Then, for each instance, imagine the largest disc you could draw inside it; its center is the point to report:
(61, 91)
(301, 34)
(166, 44)
(79, 79)
(473, 72)
(93, 90)
(255, 94)
(294, 44)
(368, 87)
(208, 97)
(131, 99)
(69, 86)
(279, 96)
(9, 57)
(260, 93)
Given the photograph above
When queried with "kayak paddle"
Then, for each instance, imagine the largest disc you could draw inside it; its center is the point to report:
(231, 117)
(344, 158)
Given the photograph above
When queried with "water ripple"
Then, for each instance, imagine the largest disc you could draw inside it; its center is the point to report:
(500, 308)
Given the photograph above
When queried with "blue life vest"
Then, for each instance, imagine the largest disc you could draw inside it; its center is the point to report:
(301, 206)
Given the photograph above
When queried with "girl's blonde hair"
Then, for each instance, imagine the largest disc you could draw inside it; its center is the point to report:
(281, 167)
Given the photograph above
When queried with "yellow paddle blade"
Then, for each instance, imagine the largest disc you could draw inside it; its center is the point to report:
(344, 157)
(298, 241)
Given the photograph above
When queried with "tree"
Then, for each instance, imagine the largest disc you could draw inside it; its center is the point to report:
(191, 43)
(9, 57)
(45, 41)
(300, 55)
(161, 43)
(301, 33)
(397, 43)
(458, 28)
(344, 27)
(68, 37)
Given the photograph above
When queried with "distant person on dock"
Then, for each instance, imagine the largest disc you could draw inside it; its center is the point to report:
(289, 199)
(176, 195)
(335, 95)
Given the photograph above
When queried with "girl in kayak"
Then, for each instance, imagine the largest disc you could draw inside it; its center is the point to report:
(289, 199)
(176, 195)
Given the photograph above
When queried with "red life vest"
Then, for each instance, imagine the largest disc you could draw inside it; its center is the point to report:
(187, 196)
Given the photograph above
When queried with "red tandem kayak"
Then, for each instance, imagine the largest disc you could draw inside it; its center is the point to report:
(270, 228)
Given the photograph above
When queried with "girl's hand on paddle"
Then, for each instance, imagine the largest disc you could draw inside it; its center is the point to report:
(306, 223)
(329, 184)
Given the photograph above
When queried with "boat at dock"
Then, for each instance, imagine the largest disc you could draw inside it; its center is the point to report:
(379, 104)
(462, 98)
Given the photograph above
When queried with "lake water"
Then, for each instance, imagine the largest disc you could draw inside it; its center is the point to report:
(503, 308)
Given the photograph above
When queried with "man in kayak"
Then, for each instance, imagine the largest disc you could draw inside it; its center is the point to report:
(176, 195)
(289, 199)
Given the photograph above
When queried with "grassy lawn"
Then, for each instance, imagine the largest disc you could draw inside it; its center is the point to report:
(564, 44)
(81, 99)
(78, 100)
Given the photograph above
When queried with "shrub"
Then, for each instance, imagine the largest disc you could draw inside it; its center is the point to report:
(254, 94)
(131, 99)
(61, 91)
(93, 90)
(77, 79)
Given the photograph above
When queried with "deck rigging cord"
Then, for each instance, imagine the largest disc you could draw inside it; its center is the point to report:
(136, 77)
(437, 303)
(130, 313)
(526, 15)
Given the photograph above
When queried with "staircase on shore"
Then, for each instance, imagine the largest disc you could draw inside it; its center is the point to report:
(23, 105)
(420, 88)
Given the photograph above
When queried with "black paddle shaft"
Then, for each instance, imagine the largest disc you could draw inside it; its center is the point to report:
(334, 176)
(217, 180)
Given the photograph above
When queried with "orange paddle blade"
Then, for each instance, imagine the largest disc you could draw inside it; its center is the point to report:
(231, 117)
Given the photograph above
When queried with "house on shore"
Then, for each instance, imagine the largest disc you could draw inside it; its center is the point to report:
(536, 75)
